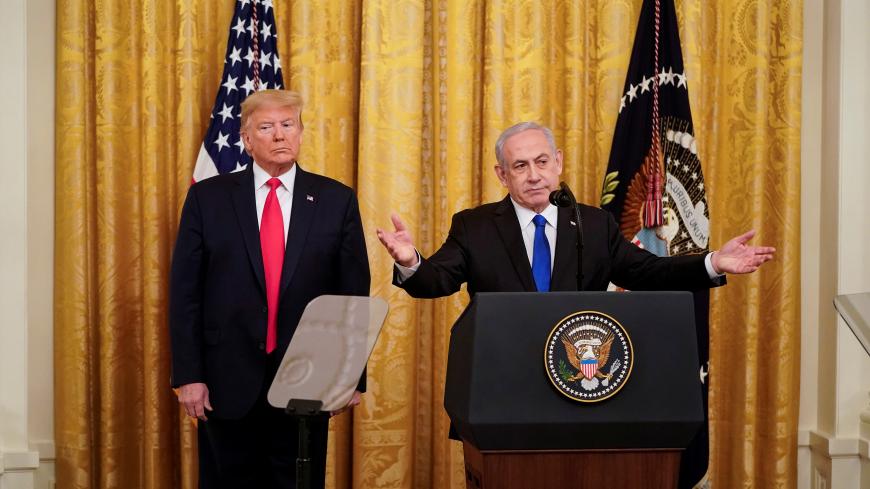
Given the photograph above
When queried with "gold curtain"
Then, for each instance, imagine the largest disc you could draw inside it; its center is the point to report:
(404, 102)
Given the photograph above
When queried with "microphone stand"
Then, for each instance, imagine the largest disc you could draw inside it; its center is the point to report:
(565, 198)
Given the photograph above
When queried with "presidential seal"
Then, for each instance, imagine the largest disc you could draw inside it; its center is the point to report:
(588, 356)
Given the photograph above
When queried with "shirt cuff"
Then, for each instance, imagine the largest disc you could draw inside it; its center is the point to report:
(406, 272)
(708, 262)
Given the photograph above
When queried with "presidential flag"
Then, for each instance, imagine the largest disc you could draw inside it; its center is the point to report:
(654, 186)
(251, 63)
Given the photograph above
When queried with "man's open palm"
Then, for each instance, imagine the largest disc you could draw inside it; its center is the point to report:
(736, 256)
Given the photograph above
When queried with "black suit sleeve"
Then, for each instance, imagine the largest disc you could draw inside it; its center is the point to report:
(637, 269)
(355, 277)
(185, 295)
(444, 272)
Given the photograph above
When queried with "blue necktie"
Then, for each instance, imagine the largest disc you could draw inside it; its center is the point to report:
(541, 255)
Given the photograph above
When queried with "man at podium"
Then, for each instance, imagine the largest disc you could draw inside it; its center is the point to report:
(523, 243)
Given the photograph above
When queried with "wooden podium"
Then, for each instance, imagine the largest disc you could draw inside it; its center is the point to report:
(515, 469)
(520, 432)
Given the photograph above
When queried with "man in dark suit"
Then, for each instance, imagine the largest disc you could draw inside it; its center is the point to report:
(253, 248)
(524, 243)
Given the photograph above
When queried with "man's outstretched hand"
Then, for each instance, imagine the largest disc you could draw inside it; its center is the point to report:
(736, 256)
(399, 243)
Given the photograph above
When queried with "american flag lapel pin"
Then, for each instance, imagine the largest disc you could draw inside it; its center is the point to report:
(309, 198)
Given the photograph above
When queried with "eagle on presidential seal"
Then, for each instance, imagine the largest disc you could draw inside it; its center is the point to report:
(588, 351)
(599, 350)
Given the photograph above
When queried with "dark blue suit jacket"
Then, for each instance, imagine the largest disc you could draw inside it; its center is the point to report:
(217, 311)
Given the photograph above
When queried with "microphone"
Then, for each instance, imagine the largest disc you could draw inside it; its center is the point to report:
(563, 197)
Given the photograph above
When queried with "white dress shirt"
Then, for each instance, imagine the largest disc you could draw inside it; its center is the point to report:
(284, 193)
(527, 226)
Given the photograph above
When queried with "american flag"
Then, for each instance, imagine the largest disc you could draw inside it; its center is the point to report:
(251, 63)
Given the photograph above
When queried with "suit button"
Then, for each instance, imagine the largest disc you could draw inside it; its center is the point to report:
(261, 345)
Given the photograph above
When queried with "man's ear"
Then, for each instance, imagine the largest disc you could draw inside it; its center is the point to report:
(244, 137)
(558, 162)
(501, 174)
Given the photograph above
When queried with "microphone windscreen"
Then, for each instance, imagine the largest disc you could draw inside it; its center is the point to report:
(560, 198)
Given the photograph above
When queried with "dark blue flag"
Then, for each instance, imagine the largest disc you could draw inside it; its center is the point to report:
(654, 186)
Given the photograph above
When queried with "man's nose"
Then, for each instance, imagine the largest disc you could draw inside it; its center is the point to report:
(278, 133)
(534, 174)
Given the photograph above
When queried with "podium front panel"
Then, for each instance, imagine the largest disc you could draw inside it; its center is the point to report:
(500, 397)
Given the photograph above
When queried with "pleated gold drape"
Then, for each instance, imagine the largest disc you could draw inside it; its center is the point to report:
(404, 102)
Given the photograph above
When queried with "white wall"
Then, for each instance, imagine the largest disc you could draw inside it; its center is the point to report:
(835, 232)
(27, 245)
(13, 250)
(40, 233)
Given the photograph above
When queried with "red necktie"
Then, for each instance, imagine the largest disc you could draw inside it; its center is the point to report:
(272, 246)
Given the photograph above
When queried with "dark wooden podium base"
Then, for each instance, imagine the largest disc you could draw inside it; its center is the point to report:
(577, 469)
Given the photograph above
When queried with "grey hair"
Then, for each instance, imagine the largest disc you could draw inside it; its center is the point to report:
(516, 129)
